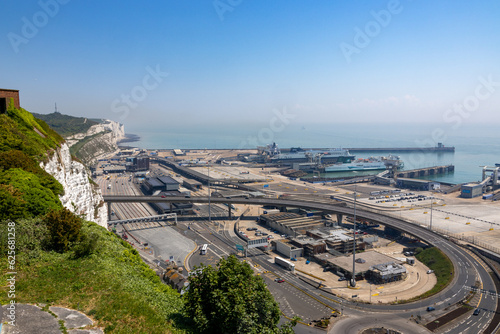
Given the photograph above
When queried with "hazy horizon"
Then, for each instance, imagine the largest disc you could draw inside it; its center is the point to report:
(171, 63)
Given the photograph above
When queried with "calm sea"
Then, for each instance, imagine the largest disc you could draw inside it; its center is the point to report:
(475, 145)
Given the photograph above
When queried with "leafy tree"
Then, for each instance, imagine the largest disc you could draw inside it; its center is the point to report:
(231, 299)
(64, 228)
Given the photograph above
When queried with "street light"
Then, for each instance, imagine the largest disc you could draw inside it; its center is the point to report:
(209, 194)
(353, 279)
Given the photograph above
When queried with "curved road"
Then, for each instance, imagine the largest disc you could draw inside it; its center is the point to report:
(468, 270)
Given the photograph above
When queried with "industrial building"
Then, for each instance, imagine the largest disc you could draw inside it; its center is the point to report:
(287, 248)
(157, 184)
(340, 241)
(387, 272)
(192, 184)
(290, 223)
(310, 245)
(136, 164)
(165, 207)
(5, 97)
(471, 190)
(370, 264)
(417, 184)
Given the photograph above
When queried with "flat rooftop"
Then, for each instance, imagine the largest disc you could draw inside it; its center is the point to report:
(372, 258)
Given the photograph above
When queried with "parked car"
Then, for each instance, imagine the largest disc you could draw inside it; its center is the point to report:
(430, 271)
(342, 278)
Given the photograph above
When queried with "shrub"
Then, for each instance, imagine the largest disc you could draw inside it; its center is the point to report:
(64, 228)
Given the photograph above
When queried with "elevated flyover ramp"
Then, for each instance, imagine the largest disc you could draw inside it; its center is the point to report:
(337, 208)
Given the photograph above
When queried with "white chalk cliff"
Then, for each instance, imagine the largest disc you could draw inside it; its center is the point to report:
(80, 196)
(100, 139)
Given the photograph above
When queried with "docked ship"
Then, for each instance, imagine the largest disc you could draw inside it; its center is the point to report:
(371, 163)
(298, 155)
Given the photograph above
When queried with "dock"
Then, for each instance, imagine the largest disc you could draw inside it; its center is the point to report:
(403, 149)
(413, 173)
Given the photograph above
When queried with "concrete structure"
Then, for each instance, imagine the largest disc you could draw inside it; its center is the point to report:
(426, 171)
(310, 245)
(136, 164)
(192, 184)
(417, 184)
(387, 272)
(5, 97)
(337, 240)
(165, 207)
(342, 265)
(471, 190)
(170, 183)
(156, 184)
(114, 169)
(179, 152)
(286, 248)
(290, 223)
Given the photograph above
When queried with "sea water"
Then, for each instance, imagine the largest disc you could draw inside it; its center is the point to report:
(475, 144)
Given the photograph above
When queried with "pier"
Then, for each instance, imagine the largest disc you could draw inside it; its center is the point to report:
(426, 171)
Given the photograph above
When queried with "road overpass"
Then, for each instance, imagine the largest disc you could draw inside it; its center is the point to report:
(466, 268)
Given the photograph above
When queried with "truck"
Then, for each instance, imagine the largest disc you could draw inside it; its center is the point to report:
(284, 263)
(270, 211)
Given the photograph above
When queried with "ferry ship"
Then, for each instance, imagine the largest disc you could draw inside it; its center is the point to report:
(371, 163)
(298, 154)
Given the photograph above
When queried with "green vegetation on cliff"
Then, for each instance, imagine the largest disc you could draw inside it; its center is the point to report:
(66, 125)
(61, 259)
(107, 280)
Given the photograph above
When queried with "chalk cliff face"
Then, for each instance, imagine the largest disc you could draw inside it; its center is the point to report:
(100, 139)
(80, 196)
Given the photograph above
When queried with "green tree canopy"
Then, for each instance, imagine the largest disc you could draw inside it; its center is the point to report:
(231, 299)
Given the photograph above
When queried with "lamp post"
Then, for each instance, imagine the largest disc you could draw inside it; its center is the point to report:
(209, 194)
(353, 279)
(430, 224)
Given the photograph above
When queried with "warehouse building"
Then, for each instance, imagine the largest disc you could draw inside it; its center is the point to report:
(290, 223)
(288, 249)
(417, 184)
(192, 184)
(371, 264)
(471, 190)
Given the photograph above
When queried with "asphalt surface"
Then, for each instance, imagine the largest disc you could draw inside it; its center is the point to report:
(468, 270)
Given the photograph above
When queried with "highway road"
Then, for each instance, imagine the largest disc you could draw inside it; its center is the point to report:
(468, 269)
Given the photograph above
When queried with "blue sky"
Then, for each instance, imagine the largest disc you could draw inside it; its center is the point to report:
(158, 63)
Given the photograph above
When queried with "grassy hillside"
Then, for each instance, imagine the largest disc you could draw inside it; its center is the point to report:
(66, 125)
(111, 284)
(61, 259)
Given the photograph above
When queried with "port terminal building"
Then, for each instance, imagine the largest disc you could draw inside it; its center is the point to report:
(378, 267)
